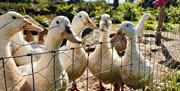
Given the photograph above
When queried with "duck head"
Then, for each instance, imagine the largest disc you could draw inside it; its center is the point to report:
(105, 22)
(82, 19)
(127, 29)
(30, 19)
(146, 16)
(61, 29)
(12, 22)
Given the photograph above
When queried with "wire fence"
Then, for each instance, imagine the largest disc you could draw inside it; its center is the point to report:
(163, 75)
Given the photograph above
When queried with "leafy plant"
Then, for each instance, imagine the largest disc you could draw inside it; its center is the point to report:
(42, 20)
(66, 10)
(172, 14)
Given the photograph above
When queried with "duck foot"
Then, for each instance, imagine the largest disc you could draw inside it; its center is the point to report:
(101, 87)
(74, 87)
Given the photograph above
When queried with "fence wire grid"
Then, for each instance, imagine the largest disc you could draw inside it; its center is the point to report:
(162, 75)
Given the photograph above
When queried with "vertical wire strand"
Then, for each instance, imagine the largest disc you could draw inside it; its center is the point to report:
(139, 59)
(100, 83)
(87, 75)
(131, 58)
(150, 59)
(158, 68)
(153, 60)
(155, 67)
(145, 56)
(111, 66)
(32, 68)
(4, 73)
(54, 69)
(73, 59)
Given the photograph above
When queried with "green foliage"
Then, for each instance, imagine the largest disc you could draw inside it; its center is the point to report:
(171, 82)
(66, 10)
(125, 11)
(25, 8)
(40, 1)
(129, 11)
(172, 15)
(42, 20)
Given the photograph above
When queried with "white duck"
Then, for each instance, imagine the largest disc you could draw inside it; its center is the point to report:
(139, 27)
(104, 62)
(21, 47)
(46, 71)
(80, 21)
(139, 74)
(120, 41)
(10, 24)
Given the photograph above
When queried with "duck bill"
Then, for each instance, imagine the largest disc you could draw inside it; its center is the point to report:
(32, 27)
(69, 35)
(90, 24)
(30, 19)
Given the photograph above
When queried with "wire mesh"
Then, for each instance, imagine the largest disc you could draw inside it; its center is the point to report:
(162, 75)
(160, 72)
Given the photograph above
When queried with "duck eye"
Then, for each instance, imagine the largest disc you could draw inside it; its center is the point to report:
(80, 16)
(13, 17)
(127, 25)
(57, 22)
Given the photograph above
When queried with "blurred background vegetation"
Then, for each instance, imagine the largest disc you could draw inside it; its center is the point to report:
(119, 12)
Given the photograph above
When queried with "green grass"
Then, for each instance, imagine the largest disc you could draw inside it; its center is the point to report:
(171, 82)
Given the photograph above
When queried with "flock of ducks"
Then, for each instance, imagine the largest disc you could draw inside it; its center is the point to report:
(56, 70)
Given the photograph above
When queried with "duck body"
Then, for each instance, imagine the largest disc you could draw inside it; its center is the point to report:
(49, 74)
(21, 47)
(74, 69)
(104, 62)
(75, 61)
(11, 23)
(45, 79)
(11, 79)
(138, 72)
(101, 63)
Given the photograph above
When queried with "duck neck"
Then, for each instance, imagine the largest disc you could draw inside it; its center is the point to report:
(140, 23)
(77, 31)
(10, 65)
(5, 48)
(77, 28)
(18, 41)
(104, 37)
(131, 47)
(50, 60)
(19, 38)
(52, 43)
